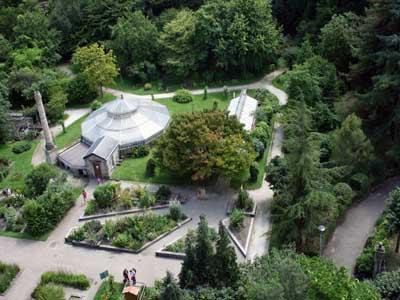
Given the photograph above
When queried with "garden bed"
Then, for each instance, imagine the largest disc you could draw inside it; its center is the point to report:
(241, 237)
(242, 202)
(130, 234)
(52, 284)
(7, 276)
(111, 200)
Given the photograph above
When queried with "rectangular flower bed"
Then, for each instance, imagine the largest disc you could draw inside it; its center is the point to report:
(7, 275)
(129, 234)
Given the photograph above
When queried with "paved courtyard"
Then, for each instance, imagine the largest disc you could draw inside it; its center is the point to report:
(34, 257)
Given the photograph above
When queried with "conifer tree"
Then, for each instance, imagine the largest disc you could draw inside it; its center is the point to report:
(170, 289)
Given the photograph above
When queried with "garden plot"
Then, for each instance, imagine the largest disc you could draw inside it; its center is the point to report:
(240, 227)
(61, 285)
(129, 234)
(110, 200)
(7, 275)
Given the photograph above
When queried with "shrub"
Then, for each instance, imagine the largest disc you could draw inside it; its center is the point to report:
(37, 180)
(20, 148)
(80, 91)
(104, 195)
(183, 96)
(122, 240)
(7, 275)
(259, 148)
(90, 208)
(261, 132)
(359, 182)
(50, 292)
(147, 200)
(147, 86)
(163, 193)
(175, 210)
(35, 217)
(140, 151)
(388, 284)
(77, 281)
(10, 216)
(151, 168)
(254, 171)
(77, 235)
(343, 194)
(236, 218)
(95, 105)
(244, 201)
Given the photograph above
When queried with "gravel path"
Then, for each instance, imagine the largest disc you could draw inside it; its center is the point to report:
(349, 238)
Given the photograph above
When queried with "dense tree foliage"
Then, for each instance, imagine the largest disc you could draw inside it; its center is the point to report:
(201, 145)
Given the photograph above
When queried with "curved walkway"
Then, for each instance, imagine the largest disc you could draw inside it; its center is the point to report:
(349, 238)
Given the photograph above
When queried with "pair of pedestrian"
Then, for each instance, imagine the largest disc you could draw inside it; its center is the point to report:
(129, 276)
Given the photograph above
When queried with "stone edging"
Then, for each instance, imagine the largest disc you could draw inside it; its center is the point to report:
(169, 254)
(244, 250)
(122, 212)
(116, 249)
(251, 214)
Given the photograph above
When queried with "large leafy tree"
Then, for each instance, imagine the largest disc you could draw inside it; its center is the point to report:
(4, 109)
(337, 40)
(200, 145)
(393, 215)
(135, 43)
(96, 64)
(177, 40)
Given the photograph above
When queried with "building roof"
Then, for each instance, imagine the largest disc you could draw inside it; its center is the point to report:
(73, 156)
(244, 108)
(102, 147)
(129, 121)
(134, 290)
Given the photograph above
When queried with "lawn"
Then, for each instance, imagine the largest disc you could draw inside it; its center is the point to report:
(72, 134)
(20, 166)
(105, 292)
(198, 103)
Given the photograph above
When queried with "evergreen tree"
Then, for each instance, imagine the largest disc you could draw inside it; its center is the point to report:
(170, 289)
(226, 270)
(187, 274)
(393, 215)
(204, 253)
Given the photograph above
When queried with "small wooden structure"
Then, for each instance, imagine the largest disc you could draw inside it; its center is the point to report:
(132, 292)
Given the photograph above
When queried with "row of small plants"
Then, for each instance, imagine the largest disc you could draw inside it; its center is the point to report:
(52, 283)
(129, 232)
(7, 275)
(111, 197)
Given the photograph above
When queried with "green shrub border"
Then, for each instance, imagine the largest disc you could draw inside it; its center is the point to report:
(7, 276)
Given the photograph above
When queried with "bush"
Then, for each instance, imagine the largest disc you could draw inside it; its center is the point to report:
(147, 86)
(20, 148)
(104, 195)
(37, 180)
(359, 182)
(122, 240)
(243, 201)
(10, 216)
(236, 219)
(261, 132)
(343, 194)
(388, 284)
(140, 151)
(147, 200)
(95, 105)
(151, 168)
(259, 148)
(90, 208)
(77, 281)
(50, 292)
(175, 210)
(183, 96)
(35, 217)
(163, 193)
(254, 171)
(79, 90)
(7, 275)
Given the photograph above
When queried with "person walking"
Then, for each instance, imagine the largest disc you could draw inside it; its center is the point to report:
(125, 274)
(133, 276)
(84, 195)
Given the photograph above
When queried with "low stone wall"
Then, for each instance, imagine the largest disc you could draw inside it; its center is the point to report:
(242, 248)
(169, 254)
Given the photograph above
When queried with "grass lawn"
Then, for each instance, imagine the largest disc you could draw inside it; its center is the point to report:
(72, 134)
(134, 169)
(24, 235)
(21, 165)
(104, 289)
(198, 103)
(157, 87)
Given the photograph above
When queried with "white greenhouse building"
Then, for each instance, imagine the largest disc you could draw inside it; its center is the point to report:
(244, 108)
(112, 131)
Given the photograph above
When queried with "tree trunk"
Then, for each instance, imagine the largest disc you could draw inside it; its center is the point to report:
(398, 242)
(101, 91)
